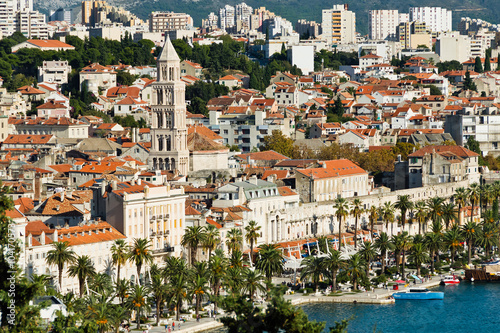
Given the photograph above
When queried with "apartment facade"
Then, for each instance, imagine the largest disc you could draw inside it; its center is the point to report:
(339, 25)
(56, 71)
(437, 19)
(166, 21)
(383, 23)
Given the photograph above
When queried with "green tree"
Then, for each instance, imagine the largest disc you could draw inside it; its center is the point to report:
(387, 211)
(158, 290)
(368, 253)
(468, 83)
(122, 288)
(278, 142)
(251, 235)
(355, 269)
(193, 237)
(418, 255)
(421, 214)
(487, 63)
(341, 207)
(312, 268)
(356, 211)
(373, 217)
(234, 238)
(453, 240)
(433, 242)
(333, 263)
(474, 193)
(140, 254)
(478, 66)
(404, 204)
(449, 214)
(253, 282)
(125, 78)
(384, 245)
(137, 301)
(60, 255)
(82, 268)
(119, 254)
(211, 239)
(198, 286)
(471, 232)
(461, 199)
(217, 267)
(270, 260)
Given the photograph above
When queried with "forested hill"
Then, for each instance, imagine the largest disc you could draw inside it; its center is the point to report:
(293, 10)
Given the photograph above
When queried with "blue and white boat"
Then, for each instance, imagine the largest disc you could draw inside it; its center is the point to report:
(418, 294)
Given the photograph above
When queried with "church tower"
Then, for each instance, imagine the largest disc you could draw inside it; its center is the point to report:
(169, 149)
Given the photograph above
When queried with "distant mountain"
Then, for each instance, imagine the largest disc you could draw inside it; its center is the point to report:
(293, 10)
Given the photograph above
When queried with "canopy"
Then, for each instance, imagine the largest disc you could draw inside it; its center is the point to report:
(400, 281)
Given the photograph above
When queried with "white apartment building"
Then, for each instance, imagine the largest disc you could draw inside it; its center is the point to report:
(383, 23)
(210, 21)
(56, 71)
(8, 10)
(32, 24)
(97, 77)
(339, 25)
(90, 238)
(453, 46)
(142, 210)
(227, 15)
(166, 21)
(436, 19)
(243, 12)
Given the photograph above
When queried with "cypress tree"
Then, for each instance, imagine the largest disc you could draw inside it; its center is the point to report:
(478, 66)
(487, 63)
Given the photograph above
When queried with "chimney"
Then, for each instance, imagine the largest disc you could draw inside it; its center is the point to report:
(114, 185)
(139, 181)
(133, 134)
(62, 195)
(132, 182)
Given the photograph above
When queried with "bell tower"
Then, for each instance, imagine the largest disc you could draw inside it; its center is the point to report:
(168, 111)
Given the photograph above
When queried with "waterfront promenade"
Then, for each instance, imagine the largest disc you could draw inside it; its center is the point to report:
(377, 296)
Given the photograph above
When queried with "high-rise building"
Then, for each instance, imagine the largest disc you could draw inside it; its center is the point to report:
(167, 21)
(61, 14)
(406, 30)
(211, 21)
(32, 24)
(169, 149)
(227, 17)
(8, 9)
(89, 9)
(339, 25)
(243, 12)
(384, 23)
(310, 28)
(437, 19)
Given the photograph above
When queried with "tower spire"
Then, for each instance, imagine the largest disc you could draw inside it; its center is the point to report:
(168, 52)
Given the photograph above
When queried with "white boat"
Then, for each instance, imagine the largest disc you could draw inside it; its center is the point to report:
(450, 279)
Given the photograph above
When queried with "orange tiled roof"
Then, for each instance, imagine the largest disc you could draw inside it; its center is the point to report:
(63, 203)
(28, 139)
(456, 150)
(269, 155)
(334, 168)
(50, 43)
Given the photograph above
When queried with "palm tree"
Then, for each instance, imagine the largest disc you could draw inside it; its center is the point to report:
(356, 211)
(470, 231)
(368, 252)
(333, 263)
(404, 204)
(253, 282)
(158, 289)
(122, 288)
(373, 217)
(98, 312)
(118, 314)
(341, 207)
(82, 268)
(418, 255)
(251, 235)
(60, 255)
(236, 259)
(355, 269)
(488, 237)
(217, 266)
(387, 214)
(473, 192)
(312, 267)
(421, 214)
(198, 287)
(452, 240)
(140, 254)
(101, 283)
(178, 291)
(435, 210)
(433, 242)
(384, 245)
(406, 242)
(270, 260)
(234, 238)
(398, 244)
(137, 302)
(487, 195)
(175, 269)
(193, 237)
(461, 198)
(233, 280)
(449, 213)
(119, 254)
(211, 239)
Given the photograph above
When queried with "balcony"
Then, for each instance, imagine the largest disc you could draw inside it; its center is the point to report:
(164, 250)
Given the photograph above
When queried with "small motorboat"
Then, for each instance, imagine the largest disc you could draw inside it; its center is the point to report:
(418, 294)
(450, 279)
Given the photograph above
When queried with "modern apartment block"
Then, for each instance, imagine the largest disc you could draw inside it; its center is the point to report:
(339, 25)
(165, 21)
(310, 28)
(408, 30)
(227, 17)
(437, 19)
(54, 72)
(32, 24)
(384, 23)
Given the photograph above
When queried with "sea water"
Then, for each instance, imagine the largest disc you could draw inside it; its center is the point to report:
(467, 307)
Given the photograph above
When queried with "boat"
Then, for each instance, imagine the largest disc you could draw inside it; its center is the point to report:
(450, 279)
(418, 294)
(488, 272)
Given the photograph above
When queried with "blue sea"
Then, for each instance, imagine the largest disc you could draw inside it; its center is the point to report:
(468, 307)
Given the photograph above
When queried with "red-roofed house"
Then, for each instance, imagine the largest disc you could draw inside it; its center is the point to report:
(43, 45)
(230, 81)
(52, 109)
(97, 77)
(335, 178)
(191, 68)
(369, 60)
(434, 165)
(129, 105)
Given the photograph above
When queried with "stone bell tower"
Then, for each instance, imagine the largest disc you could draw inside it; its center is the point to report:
(169, 149)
